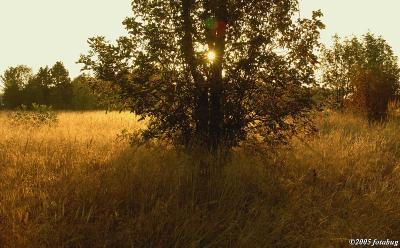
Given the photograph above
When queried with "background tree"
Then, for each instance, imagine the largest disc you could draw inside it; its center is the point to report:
(340, 63)
(38, 88)
(49, 86)
(83, 98)
(362, 72)
(14, 80)
(61, 87)
(212, 72)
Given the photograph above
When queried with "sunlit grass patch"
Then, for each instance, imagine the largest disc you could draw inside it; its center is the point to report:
(77, 185)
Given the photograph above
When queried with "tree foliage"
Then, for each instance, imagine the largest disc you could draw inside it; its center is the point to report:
(37, 90)
(61, 88)
(83, 98)
(339, 64)
(256, 84)
(49, 86)
(363, 72)
(14, 80)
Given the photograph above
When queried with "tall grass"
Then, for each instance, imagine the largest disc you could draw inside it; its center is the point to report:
(76, 185)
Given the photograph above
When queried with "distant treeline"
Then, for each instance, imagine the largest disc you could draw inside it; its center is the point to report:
(49, 86)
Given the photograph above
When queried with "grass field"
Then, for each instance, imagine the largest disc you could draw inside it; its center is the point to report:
(76, 185)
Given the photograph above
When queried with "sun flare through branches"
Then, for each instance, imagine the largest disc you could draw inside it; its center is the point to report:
(211, 56)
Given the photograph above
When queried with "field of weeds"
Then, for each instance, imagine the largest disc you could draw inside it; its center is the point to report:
(78, 184)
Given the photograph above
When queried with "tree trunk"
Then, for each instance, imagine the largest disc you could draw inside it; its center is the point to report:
(201, 111)
(216, 42)
(202, 116)
(216, 114)
(208, 111)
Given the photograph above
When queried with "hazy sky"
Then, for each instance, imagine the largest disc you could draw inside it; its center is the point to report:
(40, 32)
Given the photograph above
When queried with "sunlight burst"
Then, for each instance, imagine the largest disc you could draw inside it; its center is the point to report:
(211, 56)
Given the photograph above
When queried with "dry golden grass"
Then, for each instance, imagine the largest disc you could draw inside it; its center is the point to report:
(75, 185)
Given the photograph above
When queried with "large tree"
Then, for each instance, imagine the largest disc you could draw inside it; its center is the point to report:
(212, 72)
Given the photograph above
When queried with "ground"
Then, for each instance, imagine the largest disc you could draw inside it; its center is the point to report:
(78, 183)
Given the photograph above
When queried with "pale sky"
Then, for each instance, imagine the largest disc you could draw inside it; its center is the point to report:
(347, 17)
(40, 32)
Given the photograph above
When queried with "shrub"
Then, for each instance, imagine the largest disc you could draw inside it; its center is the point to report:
(37, 115)
(373, 91)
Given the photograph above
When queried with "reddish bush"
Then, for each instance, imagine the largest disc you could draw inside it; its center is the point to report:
(373, 89)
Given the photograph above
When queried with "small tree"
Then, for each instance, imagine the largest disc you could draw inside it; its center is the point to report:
(211, 73)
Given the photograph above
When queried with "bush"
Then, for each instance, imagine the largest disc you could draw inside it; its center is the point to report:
(373, 91)
(37, 115)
